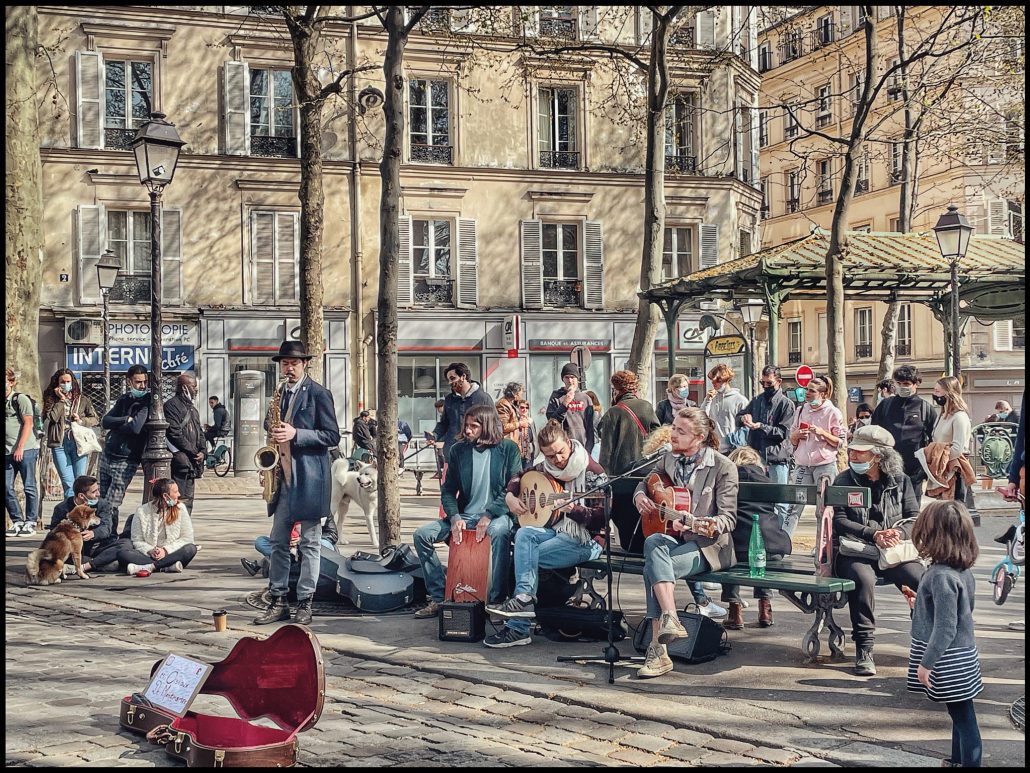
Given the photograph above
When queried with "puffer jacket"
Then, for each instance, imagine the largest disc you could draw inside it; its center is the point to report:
(892, 501)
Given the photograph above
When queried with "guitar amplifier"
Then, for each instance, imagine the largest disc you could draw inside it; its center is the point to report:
(462, 621)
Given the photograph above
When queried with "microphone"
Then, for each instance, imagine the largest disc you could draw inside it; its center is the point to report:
(657, 452)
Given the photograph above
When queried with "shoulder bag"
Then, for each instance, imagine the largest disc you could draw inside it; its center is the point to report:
(852, 547)
(901, 553)
(86, 441)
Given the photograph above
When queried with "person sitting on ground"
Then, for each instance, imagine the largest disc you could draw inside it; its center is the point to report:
(162, 534)
(704, 542)
(676, 398)
(575, 536)
(472, 497)
(263, 545)
(100, 545)
(874, 464)
(777, 541)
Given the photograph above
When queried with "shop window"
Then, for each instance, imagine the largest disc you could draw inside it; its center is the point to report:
(421, 382)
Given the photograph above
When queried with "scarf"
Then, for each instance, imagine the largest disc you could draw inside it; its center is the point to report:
(574, 478)
(676, 402)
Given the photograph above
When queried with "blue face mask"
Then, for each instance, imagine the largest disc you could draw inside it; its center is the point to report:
(815, 403)
(861, 468)
(1002, 414)
(169, 502)
(683, 392)
(137, 393)
(66, 387)
(92, 502)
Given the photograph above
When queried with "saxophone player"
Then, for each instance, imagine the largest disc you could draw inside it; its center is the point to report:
(307, 429)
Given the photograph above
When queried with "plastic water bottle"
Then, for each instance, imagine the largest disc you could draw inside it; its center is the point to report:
(756, 550)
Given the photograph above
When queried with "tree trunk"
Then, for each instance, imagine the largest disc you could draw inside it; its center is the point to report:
(24, 206)
(648, 315)
(389, 248)
(312, 199)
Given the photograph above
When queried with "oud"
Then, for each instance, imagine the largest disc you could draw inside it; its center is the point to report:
(542, 496)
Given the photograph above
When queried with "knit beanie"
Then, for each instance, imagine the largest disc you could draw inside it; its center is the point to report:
(570, 370)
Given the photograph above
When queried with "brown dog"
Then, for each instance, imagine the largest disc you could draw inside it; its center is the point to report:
(45, 566)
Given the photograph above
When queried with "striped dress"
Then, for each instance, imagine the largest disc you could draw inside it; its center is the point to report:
(942, 636)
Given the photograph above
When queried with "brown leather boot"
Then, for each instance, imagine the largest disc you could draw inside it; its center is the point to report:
(735, 619)
(765, 619)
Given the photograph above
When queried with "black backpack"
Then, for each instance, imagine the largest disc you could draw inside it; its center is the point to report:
(37, 417)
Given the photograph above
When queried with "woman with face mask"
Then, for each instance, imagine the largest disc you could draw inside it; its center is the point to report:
(863, 418)
(953, 426)
(675, 398)
(816, 434)
(162, 534)
(63, 403)
(874, 464)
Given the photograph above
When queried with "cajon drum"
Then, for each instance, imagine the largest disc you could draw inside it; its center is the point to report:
(468, 569)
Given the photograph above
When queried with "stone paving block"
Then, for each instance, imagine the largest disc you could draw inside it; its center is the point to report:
(635, 757)
(535, 716)
(728, 760)
(520, 699)
(578, 712)
(445, 696)
(615, 719)
(100, 753)
(558, 735)
(647, 743)
(522, 728)
(484, 690)
(685, 735)
(67, 747)
(597, 730)
(768, 754)
(476, 702)
(652, 728)
(594, 746)
(505, 709)
(685, 752)
(460, 685)
(728, 745)
(813, 762)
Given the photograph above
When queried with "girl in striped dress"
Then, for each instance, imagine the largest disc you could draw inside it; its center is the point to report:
(943, 662)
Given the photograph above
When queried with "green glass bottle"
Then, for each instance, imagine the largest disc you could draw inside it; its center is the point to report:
(756, 550)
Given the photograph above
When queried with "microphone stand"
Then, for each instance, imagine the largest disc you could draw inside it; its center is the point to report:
(611, 654)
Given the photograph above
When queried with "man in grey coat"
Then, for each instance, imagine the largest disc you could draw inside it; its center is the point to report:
(306, 431)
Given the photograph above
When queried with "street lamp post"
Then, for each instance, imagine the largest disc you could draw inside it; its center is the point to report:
(953, 233)
(751, 312)
(107, 275)
(156, 147)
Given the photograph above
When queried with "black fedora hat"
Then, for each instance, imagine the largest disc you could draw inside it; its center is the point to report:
(291, 349)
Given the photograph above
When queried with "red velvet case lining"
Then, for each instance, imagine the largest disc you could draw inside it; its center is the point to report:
(222, 732)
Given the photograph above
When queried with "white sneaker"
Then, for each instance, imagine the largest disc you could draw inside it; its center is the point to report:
(131, 569)
(27, 530)
(712, 586)
(712, 610)
(14, 530)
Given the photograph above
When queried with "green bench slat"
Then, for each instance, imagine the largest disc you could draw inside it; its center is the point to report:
(793, 494)
(778, 579)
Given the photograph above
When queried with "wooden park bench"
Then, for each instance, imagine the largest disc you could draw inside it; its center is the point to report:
(794, 577)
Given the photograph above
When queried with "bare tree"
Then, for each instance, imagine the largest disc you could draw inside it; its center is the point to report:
(24, 206)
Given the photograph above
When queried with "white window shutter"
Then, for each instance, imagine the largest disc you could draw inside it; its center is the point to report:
(997, 218)
(92, 222)
(532, 264)
(1002, 335)
(405, 286)
(882, 12)
(171, 256)
(531, 21)
(462, 21)
(296, 124)
(736, 33)
(709, 245)
(704, 29)
(593, 265)
(287, 256)
(89, 96)
(262, 230)
(587, 22)
(237, 108)
(467, 296)
(645, 23)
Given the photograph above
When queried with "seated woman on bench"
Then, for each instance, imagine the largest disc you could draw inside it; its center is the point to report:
(704, 545)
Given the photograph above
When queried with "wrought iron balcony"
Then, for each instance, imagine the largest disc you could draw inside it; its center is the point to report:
(119, 139)
(765, 211)
(562, 28)
(792, 205)
(824, 196)
(903, 349)
(861, 186)
(682, 38)
(432, 154)
(895, 176)
(562, 292)
(559, 159)
(433, 291)
(793, 358)
(435, 20)
(790, 51)
(863, 351)
(273, 147)
(681, 164)
(131, 288)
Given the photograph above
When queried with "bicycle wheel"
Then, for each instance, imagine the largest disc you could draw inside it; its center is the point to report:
(1003, 582)
(224, 463)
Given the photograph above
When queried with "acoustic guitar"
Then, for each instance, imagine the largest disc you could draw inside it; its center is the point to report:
(541, 495)
(673, 504)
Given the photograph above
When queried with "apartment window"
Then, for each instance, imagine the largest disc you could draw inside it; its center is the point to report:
(429, 110)
(894, 85)
(431, 262)
(1019, 334)
(680, 138)
(894, 225)
(563, 285)
(794, 342)
(863, 333)
(765, 60)
(677, 252)
(763, 129)
(824, 191)
(745, 157)
(1015, 221)
(862, 229)
(272, 128)
(790, 121)
(763, 186)
(824, 31)
(793, 190)
(862, 174)
(855, 89)
(897, 151)
(1013, 130)
(824, 106)
(128, 237)
(558, 147)
(129, 97)
(558, 21)
(275, 249)
(791, 48)
(903, 336)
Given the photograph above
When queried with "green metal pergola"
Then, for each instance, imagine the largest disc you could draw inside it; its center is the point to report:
(877, 266)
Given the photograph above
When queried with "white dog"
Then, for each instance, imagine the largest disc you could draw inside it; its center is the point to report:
(355, 486)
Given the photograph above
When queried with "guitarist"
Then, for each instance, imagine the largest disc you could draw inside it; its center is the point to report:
(575, 537)
(705, 540)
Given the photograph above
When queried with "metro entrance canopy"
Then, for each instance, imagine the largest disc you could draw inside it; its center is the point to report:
(877, 266)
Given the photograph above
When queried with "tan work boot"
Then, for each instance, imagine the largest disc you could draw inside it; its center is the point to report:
(432, 609)
(735, 619)
(670, 628)
(765, 618)
(656, 662)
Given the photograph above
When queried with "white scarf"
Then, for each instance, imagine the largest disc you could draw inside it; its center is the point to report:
(574, 478)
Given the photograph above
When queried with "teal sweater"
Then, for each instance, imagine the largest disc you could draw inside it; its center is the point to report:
(505, 463)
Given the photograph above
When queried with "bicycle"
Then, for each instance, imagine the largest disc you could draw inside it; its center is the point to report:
(220, 460)
(1006, 571)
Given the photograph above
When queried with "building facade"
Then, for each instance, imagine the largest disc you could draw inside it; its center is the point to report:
(522, 193)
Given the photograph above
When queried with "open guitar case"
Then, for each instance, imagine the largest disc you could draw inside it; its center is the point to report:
(281, 678)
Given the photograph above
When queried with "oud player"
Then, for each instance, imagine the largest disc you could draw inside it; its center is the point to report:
(575, 536)
(695, 463)
(307, 429)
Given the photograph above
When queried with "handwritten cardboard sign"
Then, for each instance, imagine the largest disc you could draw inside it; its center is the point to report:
(176, 683)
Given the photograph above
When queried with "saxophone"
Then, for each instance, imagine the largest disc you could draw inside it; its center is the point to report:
(267, 458)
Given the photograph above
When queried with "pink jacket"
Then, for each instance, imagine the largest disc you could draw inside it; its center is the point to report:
(815, 451)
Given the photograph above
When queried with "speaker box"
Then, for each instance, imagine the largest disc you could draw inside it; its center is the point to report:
(462, 621)
(705, 639)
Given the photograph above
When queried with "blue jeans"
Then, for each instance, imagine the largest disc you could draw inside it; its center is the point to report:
(966, 746)
(263, 545)
(279, 561)
(807, 476)
(778, 473)
(537, 548)
(426, 536)
(26, 468)
(666, 559)
(68, 463)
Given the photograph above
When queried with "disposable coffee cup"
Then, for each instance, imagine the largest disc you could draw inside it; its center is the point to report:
(221, 618)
